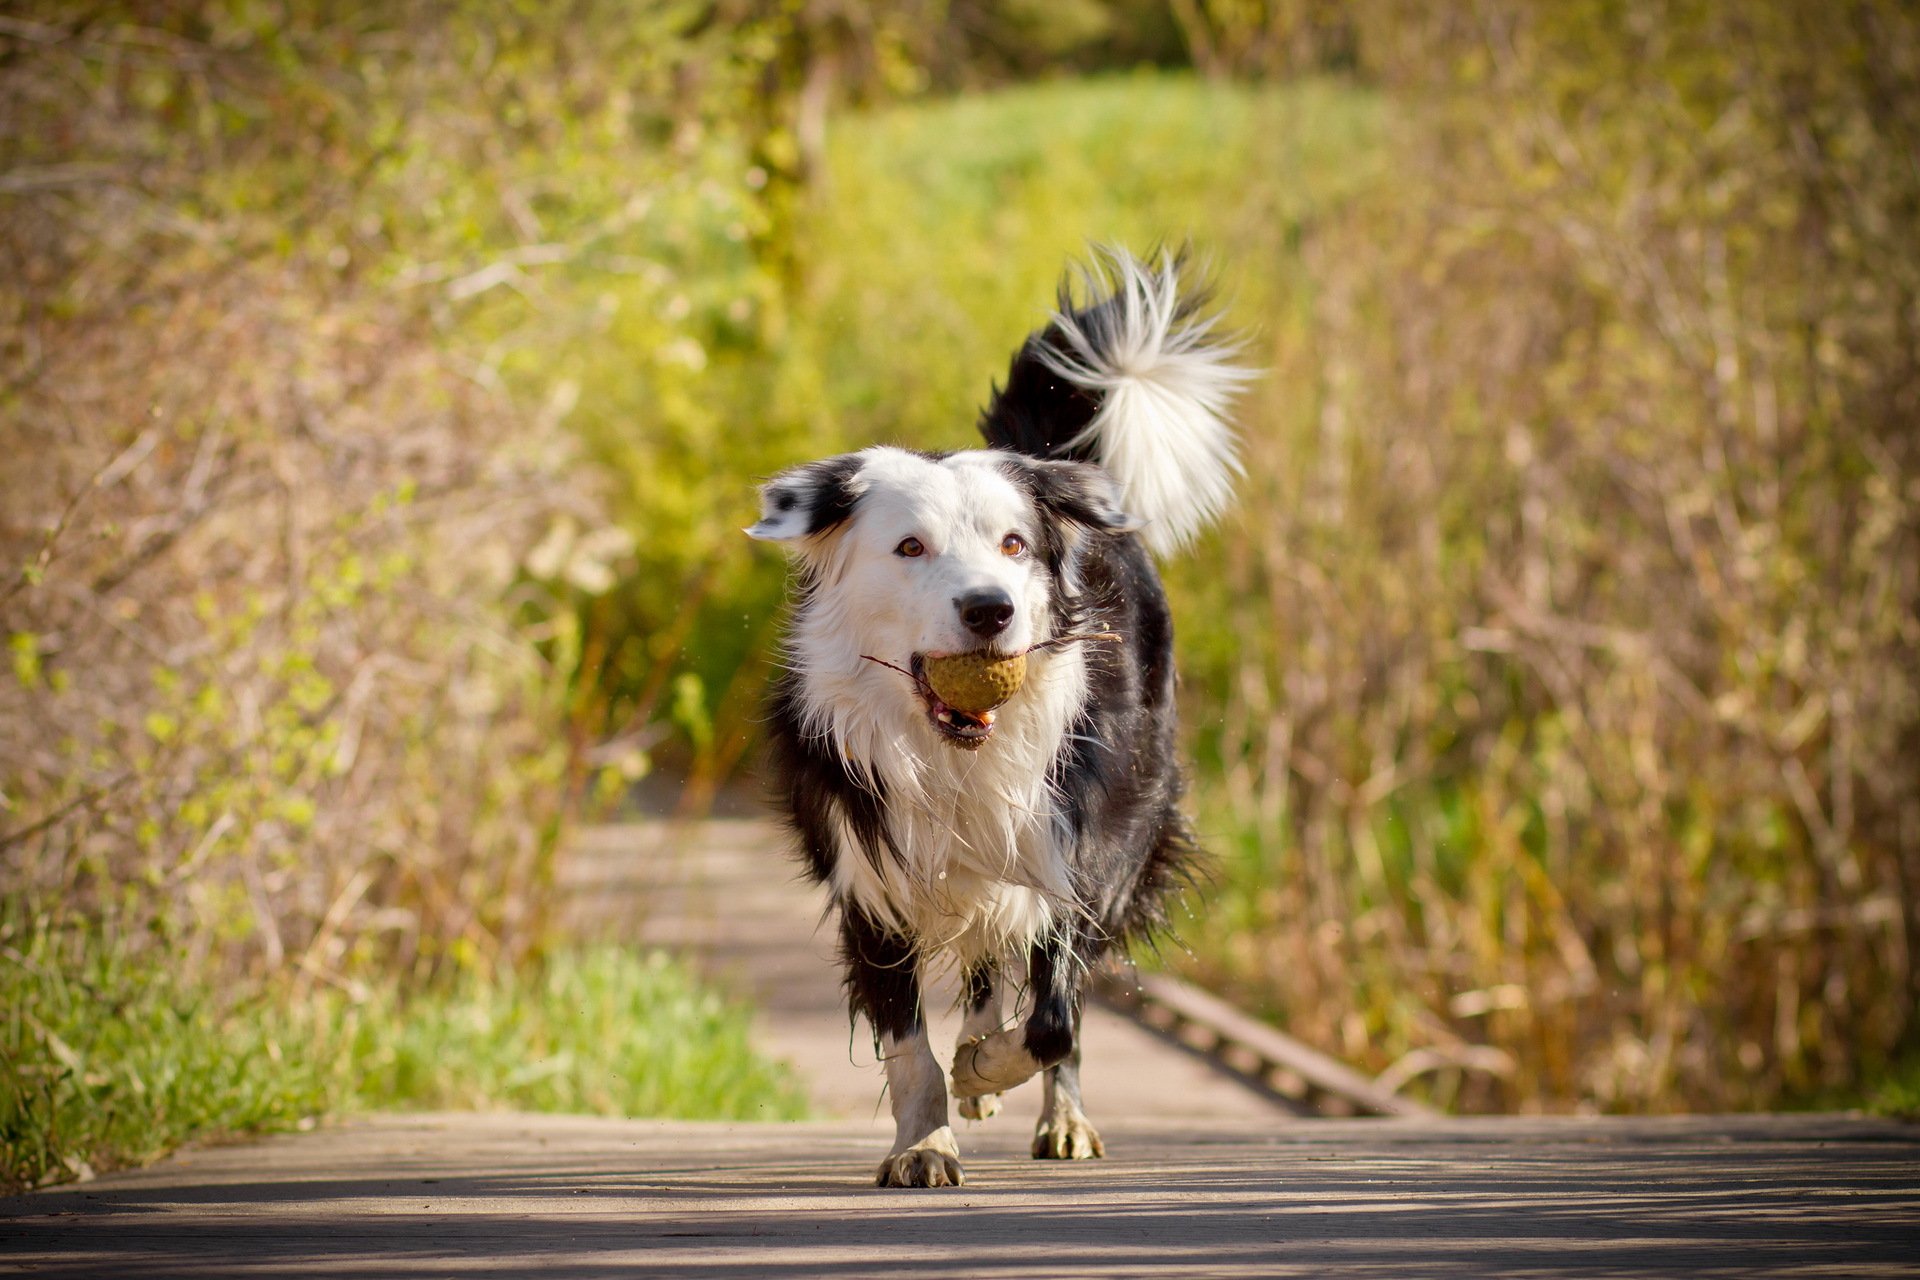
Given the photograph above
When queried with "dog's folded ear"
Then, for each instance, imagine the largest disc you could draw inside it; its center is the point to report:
(809, 501)
(1080, 493)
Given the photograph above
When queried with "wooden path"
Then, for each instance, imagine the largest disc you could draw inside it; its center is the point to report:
(724, 894)
(1204, 1177)
(585, 1199)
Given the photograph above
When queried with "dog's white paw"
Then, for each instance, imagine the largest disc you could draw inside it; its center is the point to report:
(1068, 1136)
(979, 1106)
(994, 1063)
(934, 1161)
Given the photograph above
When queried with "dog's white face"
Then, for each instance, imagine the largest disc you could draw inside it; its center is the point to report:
(907, 556)
(941, 557)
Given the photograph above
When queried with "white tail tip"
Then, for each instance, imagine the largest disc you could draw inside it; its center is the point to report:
(1166, 382)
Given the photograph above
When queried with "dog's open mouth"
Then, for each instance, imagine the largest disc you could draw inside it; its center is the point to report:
(962, 728)
(981, 678)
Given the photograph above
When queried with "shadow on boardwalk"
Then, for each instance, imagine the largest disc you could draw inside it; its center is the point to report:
(574, 1197)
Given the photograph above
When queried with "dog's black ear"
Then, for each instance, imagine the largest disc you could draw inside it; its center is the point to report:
(810, 500)
(1080, 493)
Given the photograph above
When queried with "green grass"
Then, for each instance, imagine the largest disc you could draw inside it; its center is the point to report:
(603, 1031)
(106, 1062)
(940, 233)
(1897, 1093)
(929, 248)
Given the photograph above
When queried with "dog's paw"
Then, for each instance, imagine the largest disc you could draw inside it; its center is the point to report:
(934, 1161)
(1068, 1136)
(979, 1106)
(992, 1064)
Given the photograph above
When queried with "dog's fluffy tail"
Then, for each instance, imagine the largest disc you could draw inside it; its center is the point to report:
(1136, 378)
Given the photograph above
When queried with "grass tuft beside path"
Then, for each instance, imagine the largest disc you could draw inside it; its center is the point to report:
(111, 1063)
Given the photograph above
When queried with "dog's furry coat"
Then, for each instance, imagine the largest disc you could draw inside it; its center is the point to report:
(1040, 835)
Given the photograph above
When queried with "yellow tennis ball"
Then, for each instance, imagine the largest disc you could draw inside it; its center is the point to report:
(976, 682)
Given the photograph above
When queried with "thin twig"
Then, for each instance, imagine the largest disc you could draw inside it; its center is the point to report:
(33, 829)
(920, 681)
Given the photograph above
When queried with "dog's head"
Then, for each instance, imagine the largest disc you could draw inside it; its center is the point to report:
(903, 555)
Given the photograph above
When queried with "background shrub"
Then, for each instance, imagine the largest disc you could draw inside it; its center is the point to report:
(296, 542)
(1565, 740)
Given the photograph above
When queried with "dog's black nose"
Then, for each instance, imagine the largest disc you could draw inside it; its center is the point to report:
(985, 613)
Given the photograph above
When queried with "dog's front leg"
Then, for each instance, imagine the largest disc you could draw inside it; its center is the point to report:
(998, 1061)
(883, 982)
(924, 1151)
(983, 999)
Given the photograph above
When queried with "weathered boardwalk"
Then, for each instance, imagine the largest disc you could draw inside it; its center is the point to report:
(501, 1196)
(725, 895)
(1203, 1176)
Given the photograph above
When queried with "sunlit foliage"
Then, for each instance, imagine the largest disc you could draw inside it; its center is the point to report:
(295, 538)
(382, 391)
(1567, 703)
(111, 1061)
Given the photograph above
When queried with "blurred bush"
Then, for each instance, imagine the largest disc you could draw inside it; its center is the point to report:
(932, 238)
(1565, 701)
(298, 548)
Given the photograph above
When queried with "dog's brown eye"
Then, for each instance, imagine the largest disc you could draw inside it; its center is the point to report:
(1012, 545)
(909, 547)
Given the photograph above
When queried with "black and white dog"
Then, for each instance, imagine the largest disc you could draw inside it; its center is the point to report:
(1022, 842)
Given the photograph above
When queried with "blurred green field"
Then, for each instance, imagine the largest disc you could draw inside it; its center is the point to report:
(932, 245)
(943, 230)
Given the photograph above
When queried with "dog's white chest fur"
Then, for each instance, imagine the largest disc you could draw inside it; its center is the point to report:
(977, 864)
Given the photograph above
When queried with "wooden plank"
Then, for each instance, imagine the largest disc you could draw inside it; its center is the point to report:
(726, 896)
(417, 1197)
(1161, 999)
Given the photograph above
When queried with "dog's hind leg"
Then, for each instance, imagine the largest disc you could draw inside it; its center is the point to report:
(981, 996)
(883, 982)
(1064, 1132)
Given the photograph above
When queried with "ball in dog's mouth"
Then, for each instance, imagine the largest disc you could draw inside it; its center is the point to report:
(962, 690)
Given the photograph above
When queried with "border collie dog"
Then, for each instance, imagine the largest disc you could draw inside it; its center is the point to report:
(1021, 843)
